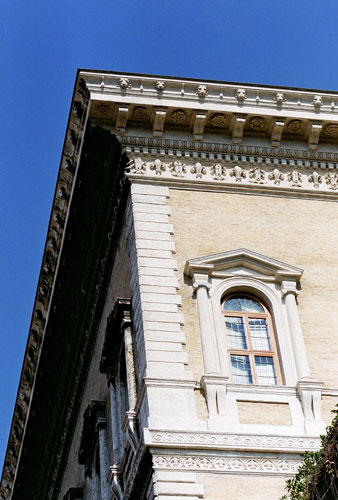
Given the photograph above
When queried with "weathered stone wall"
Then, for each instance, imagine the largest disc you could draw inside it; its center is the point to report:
(96, 386)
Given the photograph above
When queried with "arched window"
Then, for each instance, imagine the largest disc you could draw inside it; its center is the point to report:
(251, 341)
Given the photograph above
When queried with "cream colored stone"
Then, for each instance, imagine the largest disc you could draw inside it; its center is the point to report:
(150, 189)
(150, 208)
(149, 199)
(153, 226)
(243, 487)
(155, 244)
(153, 306)
(152, 235)
(201, 405)
(273, 226)
(149, 252)
(329, 403)
(160, 298)
(155, 262)
(157, 271)
(151, 217)
(252, 412)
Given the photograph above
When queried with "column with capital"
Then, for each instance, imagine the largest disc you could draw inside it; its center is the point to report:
(289, 291)
(309, 389)
(208, 341)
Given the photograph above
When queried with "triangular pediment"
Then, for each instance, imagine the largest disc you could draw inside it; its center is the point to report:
(240, 262)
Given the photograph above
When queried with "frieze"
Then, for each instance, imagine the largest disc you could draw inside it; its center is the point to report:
(252, 173)
(227, 464)
(235, 441)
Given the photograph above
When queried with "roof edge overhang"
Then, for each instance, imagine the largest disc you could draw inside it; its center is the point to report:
(57, 253)
(50, 261)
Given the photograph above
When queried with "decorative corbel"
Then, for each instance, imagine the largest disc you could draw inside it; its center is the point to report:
(276, 132)
(159, 119)
(199, 122)
(121, 118)
(314, 133)
(310, 393)
(237, 125)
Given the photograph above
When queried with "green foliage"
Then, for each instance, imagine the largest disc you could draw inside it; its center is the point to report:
(303, 486)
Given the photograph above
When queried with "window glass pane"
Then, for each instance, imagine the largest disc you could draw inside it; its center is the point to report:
(265, 370)
(236, 333)
(259, 334)
(241, 369)
(244, 304)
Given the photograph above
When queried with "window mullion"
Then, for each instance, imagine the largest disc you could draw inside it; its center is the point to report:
(250, 348)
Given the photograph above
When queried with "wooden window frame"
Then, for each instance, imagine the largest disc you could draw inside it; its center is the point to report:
(250, 352)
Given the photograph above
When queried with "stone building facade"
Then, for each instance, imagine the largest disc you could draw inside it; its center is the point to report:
(183, 339)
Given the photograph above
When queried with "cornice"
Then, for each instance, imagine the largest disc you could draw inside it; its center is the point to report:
(49, 266)
(234, 110)
(202, 92)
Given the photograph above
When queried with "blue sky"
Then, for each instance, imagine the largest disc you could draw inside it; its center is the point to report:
(42, 43)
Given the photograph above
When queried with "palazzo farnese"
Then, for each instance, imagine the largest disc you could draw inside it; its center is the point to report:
(183, 343)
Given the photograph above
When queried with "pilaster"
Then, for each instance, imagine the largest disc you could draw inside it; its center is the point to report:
(162, 360)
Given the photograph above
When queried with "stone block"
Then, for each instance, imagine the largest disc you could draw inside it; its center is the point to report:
(151, 189)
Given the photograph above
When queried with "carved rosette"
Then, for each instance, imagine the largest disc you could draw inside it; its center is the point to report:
(295, 127)
(218, 120)
(257, 123)
(102, 108)
(331, 129)
(178, 116)
(140, 113)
